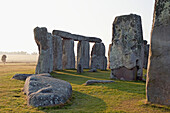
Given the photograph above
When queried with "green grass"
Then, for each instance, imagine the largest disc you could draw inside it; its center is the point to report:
(118, 97)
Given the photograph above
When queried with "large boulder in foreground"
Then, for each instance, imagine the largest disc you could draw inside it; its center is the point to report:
(127, 48)
(98, 58)
(158, 76)
(46, 91)
(45, 46)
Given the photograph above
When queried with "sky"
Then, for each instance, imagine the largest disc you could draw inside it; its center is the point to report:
(92, 18)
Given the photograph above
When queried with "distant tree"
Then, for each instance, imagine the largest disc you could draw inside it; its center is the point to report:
(34, 53)
(4, 58)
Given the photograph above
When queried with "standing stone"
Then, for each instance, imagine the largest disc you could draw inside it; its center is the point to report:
(158, 75)
(98, 59)
(79, 68)
(146, 54)
(83, 55)
(45, 46)
(68, 54)
(110, 48)
(57, 53)
(126, 56)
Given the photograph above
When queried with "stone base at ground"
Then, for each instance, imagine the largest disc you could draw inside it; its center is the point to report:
(124, 74)
(44, 91)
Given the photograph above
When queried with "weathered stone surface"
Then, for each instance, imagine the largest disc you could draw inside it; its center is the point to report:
(46, 91)
(127, 45)
(146, 54)
(68, 58)
(89, 82)
(75, 37)
(57, 53)
(98, 59)
(158, 76)
(83, 56)
(45, 46)
(99, 62)
(79, 68)
(110, 49)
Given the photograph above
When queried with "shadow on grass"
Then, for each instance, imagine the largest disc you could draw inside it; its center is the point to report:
(80, 102)
(75, 78)
(80, 78)
(160, 107)
(130, 87)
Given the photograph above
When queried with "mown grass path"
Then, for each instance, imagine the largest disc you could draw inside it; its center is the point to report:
(121, 96)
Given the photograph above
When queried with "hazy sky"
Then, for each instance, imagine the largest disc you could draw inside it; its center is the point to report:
(84, 17)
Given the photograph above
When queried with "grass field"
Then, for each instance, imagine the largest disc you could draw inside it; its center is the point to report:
(119, 97)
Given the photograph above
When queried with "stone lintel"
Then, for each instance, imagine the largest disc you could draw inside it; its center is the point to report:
(75, 37)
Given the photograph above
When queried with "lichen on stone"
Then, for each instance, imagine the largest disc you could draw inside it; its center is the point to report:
(162, 13)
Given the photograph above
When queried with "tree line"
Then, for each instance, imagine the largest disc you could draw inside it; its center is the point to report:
(18, 53)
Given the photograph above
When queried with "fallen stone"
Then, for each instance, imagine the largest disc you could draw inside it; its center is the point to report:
(158, 75)
(24, 76)
(75, 37)
(93, 70)
(127, 46)
(21, 76)
(89, 82)
(45, 47)
(44, 91)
